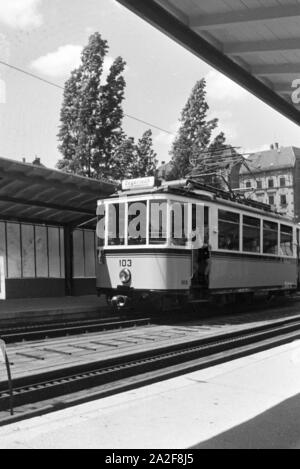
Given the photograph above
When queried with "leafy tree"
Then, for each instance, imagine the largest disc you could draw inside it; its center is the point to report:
(91, 114)
(195, 132)
(146, 156)
(125, 160)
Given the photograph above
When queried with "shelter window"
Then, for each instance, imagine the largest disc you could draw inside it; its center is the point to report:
(116, 224)
(32, 251)
(259, 184)
(229, 231)
(248, 184)
(271, 183)
(286, 240)
(282, 182)
(14, 261)
(158, 221)
(251, 234)
(84, 254)
(270, 236)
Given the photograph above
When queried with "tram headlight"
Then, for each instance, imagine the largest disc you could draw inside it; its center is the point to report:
(125, 276)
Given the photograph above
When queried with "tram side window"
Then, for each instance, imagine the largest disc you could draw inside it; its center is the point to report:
(116, 224)
(179, 224)
(251, 234)
(158, 222)
(197, 218)
(137, 223)
(286, 240)
(270, 238)
(229, 231)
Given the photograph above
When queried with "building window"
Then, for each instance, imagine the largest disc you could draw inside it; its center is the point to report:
(282, 182)
(229, 231)
(251, 234)
(270, 236)
(248, 184)
(270, 183)
(286, 240)
(259, 184)
(283, 200)
(271, 200)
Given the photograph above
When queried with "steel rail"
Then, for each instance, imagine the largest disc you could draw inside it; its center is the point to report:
(40, 332)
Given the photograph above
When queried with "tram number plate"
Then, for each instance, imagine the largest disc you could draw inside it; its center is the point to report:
(125, 263)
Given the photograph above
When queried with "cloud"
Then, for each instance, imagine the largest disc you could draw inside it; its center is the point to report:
(59, 63)
(65, 59)
(164, 138)
(226, 124)
(221, 88)
(20, 13)
(257, 149)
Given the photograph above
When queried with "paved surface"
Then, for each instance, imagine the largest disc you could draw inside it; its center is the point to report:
(247, 403)
(48, 309)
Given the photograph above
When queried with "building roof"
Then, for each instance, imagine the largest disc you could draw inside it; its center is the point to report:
(273, 159)
(39, 194)
(255, 43)
(164, 170)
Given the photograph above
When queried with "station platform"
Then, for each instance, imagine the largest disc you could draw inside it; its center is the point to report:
(43, 310)
(249, 403)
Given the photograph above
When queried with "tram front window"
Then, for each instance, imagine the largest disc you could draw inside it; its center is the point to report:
(137, 223)
(116, 224)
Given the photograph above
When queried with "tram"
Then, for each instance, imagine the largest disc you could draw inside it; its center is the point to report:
(170, 243)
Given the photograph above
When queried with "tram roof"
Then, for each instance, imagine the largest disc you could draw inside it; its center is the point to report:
(189, 188)
(255, 43)
(34, 193)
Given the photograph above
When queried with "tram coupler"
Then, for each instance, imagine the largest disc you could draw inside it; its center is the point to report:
(119, 301)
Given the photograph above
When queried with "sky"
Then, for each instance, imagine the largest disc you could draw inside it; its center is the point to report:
(46, 37)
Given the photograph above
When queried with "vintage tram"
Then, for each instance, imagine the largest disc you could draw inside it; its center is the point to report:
(171, 243)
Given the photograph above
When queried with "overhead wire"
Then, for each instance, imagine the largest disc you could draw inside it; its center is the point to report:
(51, 83)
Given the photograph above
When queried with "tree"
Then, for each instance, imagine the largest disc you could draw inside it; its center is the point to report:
(146, 156)
(91, 114)
(125, 160)
(195, 132)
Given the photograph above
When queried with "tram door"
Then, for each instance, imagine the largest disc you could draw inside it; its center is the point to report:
(2, 279)
(202, 251)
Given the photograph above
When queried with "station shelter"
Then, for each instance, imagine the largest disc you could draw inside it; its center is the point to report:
(47, 231)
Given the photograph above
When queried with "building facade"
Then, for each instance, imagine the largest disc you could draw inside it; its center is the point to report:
(272, 177)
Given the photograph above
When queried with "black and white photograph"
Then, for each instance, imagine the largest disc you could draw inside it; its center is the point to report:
(149, 227)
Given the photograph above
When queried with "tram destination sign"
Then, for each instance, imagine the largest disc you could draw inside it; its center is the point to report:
(140, 183)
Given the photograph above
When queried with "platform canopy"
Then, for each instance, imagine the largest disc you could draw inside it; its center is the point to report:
(254, 42)
(42, 195)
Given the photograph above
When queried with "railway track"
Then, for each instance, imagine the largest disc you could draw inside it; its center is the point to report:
(40, 332)
(52, 390)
